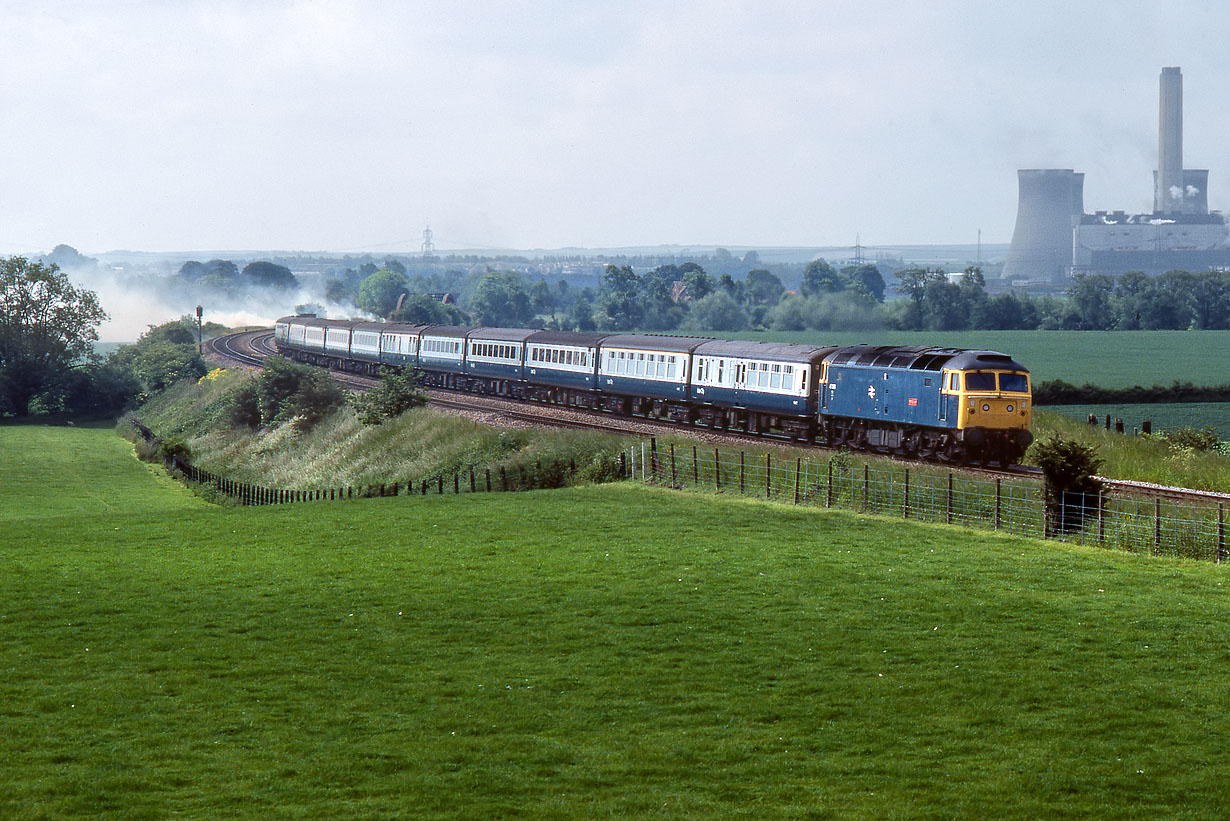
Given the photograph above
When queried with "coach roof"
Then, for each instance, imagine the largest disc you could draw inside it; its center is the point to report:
(782, 351)
(501, 334)
(647, 342)
(573, 338)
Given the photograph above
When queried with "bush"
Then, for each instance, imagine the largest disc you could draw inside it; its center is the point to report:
(286, 390)
(174, 448)
(1198, 439)
(1073, 491)
(397, 393)
(245, 409)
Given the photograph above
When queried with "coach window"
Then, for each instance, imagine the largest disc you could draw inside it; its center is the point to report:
(776, 381)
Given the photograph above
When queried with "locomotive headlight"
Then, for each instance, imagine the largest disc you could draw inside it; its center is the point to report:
(1009, 409)
(985, 407)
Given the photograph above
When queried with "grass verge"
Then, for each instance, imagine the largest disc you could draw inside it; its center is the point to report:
(610, 650)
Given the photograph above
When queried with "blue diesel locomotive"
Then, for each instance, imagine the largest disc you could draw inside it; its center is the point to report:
(934, 403)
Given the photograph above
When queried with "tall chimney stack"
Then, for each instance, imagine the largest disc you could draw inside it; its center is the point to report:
(1169, 195)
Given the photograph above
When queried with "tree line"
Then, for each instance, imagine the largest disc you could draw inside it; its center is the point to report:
(685, 297)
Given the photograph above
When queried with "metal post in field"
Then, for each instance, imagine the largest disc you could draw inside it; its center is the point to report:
(798, 464)
(674, 476)
(717, 471)
(997, 501)
(1221, 531)
(950, 497)
(905, 504)
(1157, 522)
(866, 485)
(828, 495)
(695, 469)
(742, 474)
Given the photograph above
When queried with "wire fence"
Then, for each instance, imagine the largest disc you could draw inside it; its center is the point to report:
(1193, 529)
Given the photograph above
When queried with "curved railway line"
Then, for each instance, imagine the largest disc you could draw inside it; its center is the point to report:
(251, 348)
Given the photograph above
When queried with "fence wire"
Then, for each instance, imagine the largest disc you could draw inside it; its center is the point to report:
(1118, 520)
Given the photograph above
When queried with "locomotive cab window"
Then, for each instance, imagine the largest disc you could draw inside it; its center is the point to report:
(978, 381)
(1015, 382)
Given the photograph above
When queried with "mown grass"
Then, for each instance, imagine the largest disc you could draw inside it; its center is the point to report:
(599, 651)
(78, 471)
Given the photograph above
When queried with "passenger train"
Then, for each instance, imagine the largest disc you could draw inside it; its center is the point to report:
(942, 404)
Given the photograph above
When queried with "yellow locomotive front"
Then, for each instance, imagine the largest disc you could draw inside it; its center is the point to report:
(990, 394)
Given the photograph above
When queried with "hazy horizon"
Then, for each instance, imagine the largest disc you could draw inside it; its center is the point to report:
(350, 126)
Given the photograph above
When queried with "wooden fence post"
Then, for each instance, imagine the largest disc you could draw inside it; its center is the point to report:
(695, 469)
(674, 477)
(905, 505)
(798, 463)
(742, 473)
(828, 499)
(768, 476)
(717, 471)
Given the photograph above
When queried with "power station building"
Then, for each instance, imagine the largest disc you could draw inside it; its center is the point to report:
(1054, 238)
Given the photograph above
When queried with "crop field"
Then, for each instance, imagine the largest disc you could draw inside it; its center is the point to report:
(1107, 358)
(599, 651)
(1164, 416)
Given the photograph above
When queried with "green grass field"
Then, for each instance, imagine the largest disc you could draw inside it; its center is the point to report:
(1164, 416)
(600, 651)
(48, 472)
(1111, 359)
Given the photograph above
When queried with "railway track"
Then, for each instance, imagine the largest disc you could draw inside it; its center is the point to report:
(251, 348)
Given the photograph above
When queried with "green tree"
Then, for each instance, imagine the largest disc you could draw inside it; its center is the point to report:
(912, 283)
(420, 309)
(290, 391)
(501, 300)
(820, 278)
(1211, 300)
(1132, 300)
(619, 298)
(269, 275)
(763, 288)
(699, 283)
(397, 393)
(1091, 299)
(867, 279)
(717, 312)
(379, 292)
(1073, 491)
(47, 326)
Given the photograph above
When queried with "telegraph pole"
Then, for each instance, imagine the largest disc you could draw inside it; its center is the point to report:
(200, 345)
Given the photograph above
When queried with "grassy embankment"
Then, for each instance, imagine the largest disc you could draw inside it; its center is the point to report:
(422, 444)
(342, 451)
(611, 650)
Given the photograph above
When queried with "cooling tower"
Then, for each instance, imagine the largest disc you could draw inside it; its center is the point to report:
(1168, 197)
(1050, 202)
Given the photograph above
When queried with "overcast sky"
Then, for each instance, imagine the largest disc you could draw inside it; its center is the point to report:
(348, 126)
